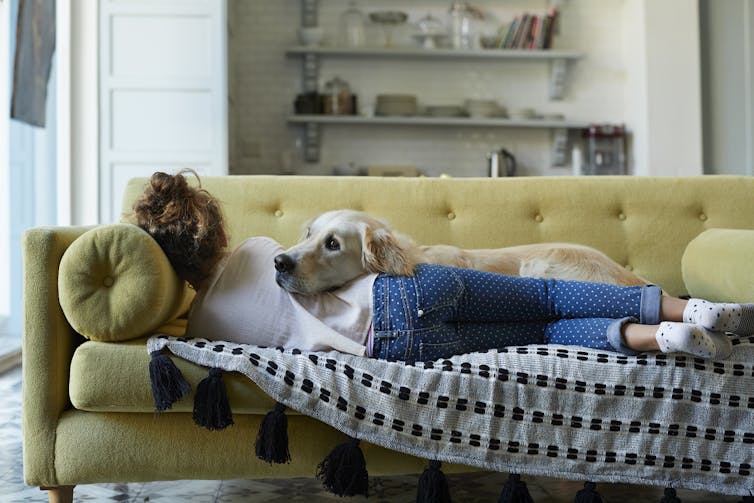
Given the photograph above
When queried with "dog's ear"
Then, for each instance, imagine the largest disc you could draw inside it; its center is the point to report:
(383, 251)
(305, 229)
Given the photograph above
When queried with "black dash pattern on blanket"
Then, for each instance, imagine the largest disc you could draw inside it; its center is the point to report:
(557, 411)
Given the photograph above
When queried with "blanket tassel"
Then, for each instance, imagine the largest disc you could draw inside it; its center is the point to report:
(670, 496)
(211, 407)
(272, 439)
(343, 471)
(433, 486)
(168, 384)
(515, 491)
(589, 494)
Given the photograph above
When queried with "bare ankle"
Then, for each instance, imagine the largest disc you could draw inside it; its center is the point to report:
(671, 308)
(640, 337)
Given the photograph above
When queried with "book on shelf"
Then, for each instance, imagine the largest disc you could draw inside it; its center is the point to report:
(506, 42)
(552, 15)
(530, 31)
(521, 43)
(536, 24)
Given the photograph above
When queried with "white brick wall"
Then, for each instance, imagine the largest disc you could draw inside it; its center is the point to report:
(264, 82)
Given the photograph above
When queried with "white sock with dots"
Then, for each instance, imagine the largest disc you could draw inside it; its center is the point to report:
(737, 319)
(674, 337)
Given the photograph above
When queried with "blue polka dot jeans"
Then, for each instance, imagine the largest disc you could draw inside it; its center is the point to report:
(444, 311)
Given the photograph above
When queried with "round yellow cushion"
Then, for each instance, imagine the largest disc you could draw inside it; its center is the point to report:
(115, 283)
(717, 265)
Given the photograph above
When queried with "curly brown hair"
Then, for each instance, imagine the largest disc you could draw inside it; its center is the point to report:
(186, 221)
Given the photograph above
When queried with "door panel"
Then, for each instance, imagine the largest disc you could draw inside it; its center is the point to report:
(163, 91)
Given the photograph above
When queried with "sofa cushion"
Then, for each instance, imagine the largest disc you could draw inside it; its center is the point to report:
(114, 377)
(115, 283)
(716, 265)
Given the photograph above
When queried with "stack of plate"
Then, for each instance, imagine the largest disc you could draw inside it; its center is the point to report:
(485, 108)
(444, 111)
(395, 104)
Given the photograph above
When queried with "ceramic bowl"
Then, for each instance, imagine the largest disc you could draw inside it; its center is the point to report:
(310, 35)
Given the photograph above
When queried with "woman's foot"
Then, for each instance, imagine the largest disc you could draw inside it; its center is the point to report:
(696, 340)
(737, 319)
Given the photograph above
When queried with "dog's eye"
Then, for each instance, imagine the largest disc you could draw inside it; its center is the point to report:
(332, 244)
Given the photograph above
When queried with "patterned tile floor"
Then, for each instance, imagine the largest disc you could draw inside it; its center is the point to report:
(478, 487)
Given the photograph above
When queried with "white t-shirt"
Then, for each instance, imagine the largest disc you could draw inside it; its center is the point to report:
(242, 303)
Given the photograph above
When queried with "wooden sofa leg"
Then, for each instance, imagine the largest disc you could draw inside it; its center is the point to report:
(60, 494)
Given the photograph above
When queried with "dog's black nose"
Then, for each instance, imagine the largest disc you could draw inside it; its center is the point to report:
(284, 263)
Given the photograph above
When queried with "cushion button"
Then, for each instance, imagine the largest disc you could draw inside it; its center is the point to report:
(539, 218)
(108, 281)
(451, 216)
(702, 217)
(621, 216)
(278, 213)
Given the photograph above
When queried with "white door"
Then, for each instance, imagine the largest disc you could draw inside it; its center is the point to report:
(163, 92)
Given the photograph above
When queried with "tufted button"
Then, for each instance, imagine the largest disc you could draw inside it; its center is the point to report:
(702, 217)
(451, 216)
(621, 216)
(108, 281)
(539, 218)
(278, 213)
(629, 267)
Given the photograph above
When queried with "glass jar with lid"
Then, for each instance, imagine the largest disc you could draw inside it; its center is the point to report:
(461, 22)
(352, 26)
(338, 99)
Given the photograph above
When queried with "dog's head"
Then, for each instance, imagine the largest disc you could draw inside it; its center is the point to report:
(339, 246)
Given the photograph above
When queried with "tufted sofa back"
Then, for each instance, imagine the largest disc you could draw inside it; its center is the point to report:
(643, 223)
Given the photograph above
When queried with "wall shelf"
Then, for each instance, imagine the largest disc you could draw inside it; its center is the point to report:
(437, 121)
(312, 124)
(411, 52)
(558, 59)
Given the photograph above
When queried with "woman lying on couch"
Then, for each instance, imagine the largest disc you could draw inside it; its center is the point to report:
(439, 312)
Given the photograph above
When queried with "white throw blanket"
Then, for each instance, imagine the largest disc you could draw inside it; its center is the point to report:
(557, 411)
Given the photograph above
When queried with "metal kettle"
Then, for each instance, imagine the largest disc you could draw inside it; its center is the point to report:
(501, 163)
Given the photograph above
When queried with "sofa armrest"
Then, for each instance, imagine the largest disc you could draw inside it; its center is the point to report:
(717, 265)
(47, 347)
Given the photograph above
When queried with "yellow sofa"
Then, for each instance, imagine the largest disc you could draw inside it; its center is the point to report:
(87, 409)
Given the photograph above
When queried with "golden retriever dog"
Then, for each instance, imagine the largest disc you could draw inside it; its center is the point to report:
(340, 245)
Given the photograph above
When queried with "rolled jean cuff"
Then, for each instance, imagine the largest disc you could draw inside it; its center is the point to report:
(649, 310)
(615, 338)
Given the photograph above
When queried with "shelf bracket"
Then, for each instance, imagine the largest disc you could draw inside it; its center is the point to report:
(311, 73)
(309, 10)
(311, 142)
(308, 13)
(558, 73)
(559, 147)
(312, 130)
